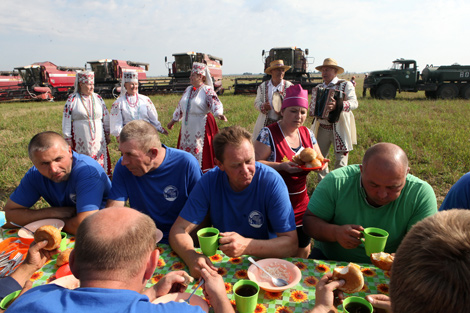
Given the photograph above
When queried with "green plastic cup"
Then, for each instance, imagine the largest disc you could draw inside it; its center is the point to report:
(208, 240)
(351, 304)
(5, 303)
(374, 240)
(63, 242)
(246, 295)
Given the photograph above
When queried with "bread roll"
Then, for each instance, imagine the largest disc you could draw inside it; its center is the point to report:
(308, 154)
(382, 260)
(352, 275)
(63, 257)
(49, 233)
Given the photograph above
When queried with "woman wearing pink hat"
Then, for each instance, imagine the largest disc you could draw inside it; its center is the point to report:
(85, 121)
(277, 144)
(198, 125)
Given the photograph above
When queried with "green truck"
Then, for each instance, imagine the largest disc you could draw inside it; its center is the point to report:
(444, 82)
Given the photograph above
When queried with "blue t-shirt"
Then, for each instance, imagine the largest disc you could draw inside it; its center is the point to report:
(8, 285)
(161, 193)
(52, 298)
(259, 211)
(458, 196)
(86, 189)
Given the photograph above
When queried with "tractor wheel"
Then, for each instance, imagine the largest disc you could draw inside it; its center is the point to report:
(447, 91)
(386, 92)
(465, 92)
(430, 94)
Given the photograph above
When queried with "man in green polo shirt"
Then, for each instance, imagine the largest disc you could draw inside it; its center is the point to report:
(379, 193)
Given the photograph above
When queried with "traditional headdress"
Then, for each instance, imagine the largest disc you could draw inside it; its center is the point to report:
(129, 76)
(329, 62)
(201, 68)
(296, 96)
(83, 77)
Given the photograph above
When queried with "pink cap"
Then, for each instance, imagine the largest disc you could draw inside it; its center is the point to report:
(296, 96)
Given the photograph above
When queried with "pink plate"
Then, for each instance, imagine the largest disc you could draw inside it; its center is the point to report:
(293, 273)
(195, 300)
(69, 282)
(23, 233)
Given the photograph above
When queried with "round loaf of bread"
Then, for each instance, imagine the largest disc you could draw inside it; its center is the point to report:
(308, 155)
(352, 275)
(382, 260)
(49, 233)
(63, 257)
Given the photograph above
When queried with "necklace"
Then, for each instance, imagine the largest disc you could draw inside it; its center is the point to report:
(90, 117)
(131, 107)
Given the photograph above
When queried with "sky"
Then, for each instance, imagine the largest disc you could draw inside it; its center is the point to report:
(362, 35)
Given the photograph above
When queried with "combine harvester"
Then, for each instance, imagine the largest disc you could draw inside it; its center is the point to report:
(179, 71)
(297, 74)
(38, 81)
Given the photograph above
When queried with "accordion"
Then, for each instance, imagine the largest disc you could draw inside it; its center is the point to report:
(322, 98)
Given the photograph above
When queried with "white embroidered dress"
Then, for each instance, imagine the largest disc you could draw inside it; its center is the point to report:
(128, 108)
(85, 121)
(192, 111)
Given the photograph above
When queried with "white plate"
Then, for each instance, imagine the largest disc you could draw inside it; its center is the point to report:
(23, 233)
(69, 282)
(195, 300)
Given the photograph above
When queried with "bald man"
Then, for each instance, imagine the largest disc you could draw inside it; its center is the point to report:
(379, 193)
(74, 185)
(114, 257)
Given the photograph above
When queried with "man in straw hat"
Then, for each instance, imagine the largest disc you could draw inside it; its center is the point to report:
(339, 128)
(264, 96)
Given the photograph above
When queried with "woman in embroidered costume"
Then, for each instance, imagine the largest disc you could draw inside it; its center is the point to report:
(265, 92)
(85, 122)
(278, 143)
(132, 106)
(198, 124)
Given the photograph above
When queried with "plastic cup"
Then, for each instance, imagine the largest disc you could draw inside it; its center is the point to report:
(356, 300)
(5, 303)
(374, 240)
(245, 296)
(63, 242)
(208, 240)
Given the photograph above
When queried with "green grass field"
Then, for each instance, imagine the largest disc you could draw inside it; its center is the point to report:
(433, 133)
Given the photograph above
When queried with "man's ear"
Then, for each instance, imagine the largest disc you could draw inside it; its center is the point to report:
(72, 265)
(151, 264)
(153, 153)
(219, 164)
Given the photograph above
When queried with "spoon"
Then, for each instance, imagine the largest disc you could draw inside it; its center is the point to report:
(32, 233)
(199, 285)
(278, 282)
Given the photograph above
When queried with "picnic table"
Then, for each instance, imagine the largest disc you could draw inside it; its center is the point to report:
(300, 298)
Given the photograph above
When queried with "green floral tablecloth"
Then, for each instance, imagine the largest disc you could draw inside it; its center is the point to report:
(301, 298)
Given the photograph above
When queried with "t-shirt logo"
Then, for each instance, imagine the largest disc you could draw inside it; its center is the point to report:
(256, 219)
(170, 193)
(73, 197)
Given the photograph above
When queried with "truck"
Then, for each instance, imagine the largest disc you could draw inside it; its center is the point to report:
(444, 82)
(179, 71)
(108, 74)
(38, 81)
(297, 74)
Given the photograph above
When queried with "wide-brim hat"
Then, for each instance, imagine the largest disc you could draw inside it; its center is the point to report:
(329, 62)
(296, 96)
(276, 64)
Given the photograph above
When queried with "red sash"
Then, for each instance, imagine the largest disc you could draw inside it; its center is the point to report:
(296, 183)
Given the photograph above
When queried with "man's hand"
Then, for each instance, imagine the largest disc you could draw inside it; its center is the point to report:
(173, 281)
(265, 108)
(331, 104)
(326, 299)
(232, 244)
(37, 256)
(380, 302)
(199, 263)
(214, 291)
(349, 236)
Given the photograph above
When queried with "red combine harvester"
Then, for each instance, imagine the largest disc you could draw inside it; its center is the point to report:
(108, 73)
(179, 72)
(38, 81)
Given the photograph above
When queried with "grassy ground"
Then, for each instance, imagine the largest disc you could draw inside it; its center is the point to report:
(433, 133)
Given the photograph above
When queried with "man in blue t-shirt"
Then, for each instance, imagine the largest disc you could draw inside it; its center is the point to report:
(458, 196)
(74, 185)
(247, 201)
(156, 179)
(114, 257)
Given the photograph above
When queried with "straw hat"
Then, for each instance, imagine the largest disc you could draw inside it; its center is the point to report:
(329, 62)
(276, 64)
(296, 96)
